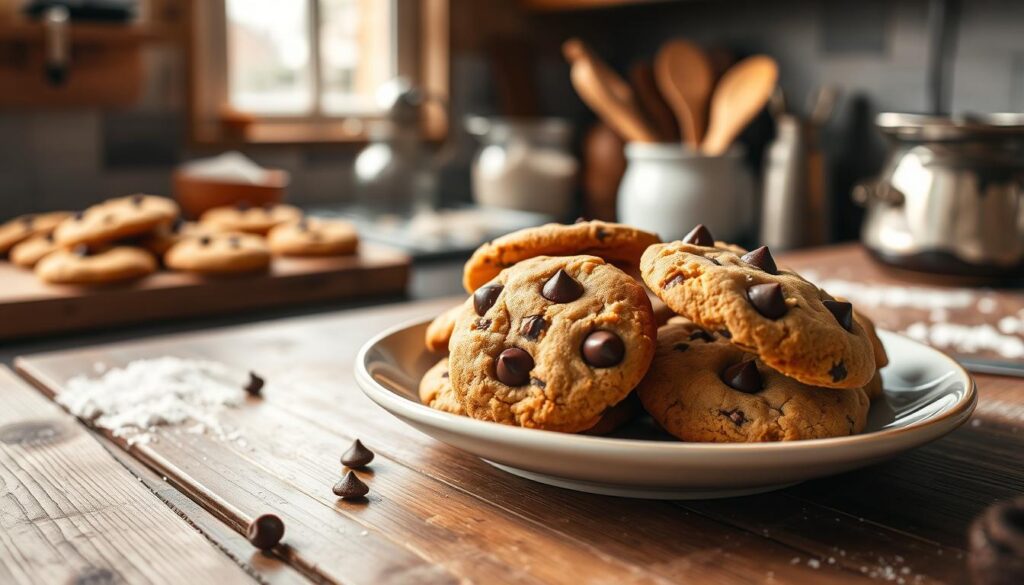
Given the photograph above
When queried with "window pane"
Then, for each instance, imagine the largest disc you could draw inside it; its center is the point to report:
(269, 56)
(357, 53)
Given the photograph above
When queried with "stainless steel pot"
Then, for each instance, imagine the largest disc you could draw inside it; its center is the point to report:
(951, 196)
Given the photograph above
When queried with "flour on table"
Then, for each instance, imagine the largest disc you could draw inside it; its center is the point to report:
(131, 401)
(894, 296)
(967, 338)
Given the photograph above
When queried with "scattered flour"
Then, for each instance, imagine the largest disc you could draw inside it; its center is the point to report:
(894, 296)
(132, 400)
(967, 338)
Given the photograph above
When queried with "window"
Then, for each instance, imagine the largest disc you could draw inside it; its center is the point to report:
(308, 70)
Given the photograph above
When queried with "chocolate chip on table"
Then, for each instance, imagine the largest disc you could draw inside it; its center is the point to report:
(533, 326)
(81, 250)
(699, 236)
(838, 372)
(513, 367)
(485, 297)
(350, 487)
(842, 311)
(562, 288)
(357, 455)
(743, 377)
(761, 258)
(265, 532)
(255, 384)
(725, 333)
(768, 299)
(603, 349)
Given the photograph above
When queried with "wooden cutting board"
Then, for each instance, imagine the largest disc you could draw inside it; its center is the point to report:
(30, 307)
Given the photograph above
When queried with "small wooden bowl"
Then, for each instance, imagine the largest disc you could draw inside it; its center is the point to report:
(196, 195)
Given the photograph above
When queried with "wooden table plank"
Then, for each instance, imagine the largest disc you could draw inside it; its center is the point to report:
(69, 512)
(31, 307)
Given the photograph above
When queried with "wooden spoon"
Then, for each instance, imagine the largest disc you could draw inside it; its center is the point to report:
(657, 110)
(606, 93)
(685, 78)
(741, 94)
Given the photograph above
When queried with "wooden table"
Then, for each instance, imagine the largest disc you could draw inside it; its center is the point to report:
(75, 505)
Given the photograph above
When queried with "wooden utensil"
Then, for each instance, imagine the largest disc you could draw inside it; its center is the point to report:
(685, 78)
(606, 93)
(641, 77)
(741, 94)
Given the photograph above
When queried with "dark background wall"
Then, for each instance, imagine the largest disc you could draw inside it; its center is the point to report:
(875, 50)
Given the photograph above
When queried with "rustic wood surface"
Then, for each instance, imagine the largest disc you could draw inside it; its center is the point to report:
(31, 307)
(435, 514)
(70, 513)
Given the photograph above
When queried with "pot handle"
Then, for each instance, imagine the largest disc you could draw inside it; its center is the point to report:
(883, 191)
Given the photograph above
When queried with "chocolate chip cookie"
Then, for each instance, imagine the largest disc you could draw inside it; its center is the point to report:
(24, 227)
(166, 236)
(314, 237)
(116, 219)
(436, 390)
(701, 387)
(221, 253)
(440, 329)
(552, 343)
(795, 327)
(253, 220)
(82, 265)
(26, 254)
(619, 244)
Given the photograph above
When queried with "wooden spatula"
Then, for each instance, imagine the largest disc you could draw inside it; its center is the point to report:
(652, 102)
(606, 93)
(685, 78)
(741, 94)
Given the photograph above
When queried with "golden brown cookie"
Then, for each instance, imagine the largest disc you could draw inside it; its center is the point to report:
(83, 266)
(116, 219)
(314, 237)
(619, 244)
(436, 390)
(702, 388)
(874, 389)
(794, 327)
(26, 254)
(221, 253)
(165, 236)
(552, 343)
(253, 220)
(617, 416)
(440, 329)
(24, 227)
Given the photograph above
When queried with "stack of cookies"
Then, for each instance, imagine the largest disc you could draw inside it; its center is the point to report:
(129, 237)
(559, 333)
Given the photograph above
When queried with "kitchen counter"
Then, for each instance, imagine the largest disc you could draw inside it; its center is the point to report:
(80, 506)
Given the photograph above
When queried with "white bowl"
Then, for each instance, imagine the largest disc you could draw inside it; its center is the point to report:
(927, 395)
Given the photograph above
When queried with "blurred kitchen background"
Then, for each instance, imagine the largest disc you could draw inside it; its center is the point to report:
(117, 96)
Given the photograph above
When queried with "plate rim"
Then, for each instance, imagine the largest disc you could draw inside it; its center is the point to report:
(957, 415)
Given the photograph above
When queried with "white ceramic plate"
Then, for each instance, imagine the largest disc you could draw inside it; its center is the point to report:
(927, 395)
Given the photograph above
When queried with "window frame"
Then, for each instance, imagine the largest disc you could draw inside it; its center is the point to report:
(422, 55)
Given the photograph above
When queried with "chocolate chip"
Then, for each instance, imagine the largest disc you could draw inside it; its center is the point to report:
(676, 281)
(350, 487)
(485, 297)
(761, 258)
(601, 234)
(735, 415)
(49, 237)
(533, 326)
(513, 368)
(562, 288)
(725, 333)
(681, 346)
(81, 250)
(699, 236)
(842, 311)
(137, 200)
(255, 384)
(482, 324)
(265, 532)
(838, 372)
(357, 455)
(445, 374)
(743, 377)
(603, 349)
(701, 335)
(78, 215)
(768, 299)
(205, 241)
(537, 382)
